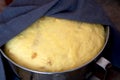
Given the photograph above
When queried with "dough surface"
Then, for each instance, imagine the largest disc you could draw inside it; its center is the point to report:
(55, 45)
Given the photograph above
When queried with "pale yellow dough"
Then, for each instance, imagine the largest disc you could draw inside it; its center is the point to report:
(55, 45)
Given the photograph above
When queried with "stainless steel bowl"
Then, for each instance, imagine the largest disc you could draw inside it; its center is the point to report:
(72, 74)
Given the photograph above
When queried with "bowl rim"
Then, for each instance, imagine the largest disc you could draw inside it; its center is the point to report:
(107, 30)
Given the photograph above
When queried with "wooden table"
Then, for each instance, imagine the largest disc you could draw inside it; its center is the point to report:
(2, 5)
(112, 8)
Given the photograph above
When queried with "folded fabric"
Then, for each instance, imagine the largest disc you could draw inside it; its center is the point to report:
(2, 72)
(22, 13)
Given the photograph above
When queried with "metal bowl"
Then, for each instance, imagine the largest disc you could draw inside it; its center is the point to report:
(73, 74)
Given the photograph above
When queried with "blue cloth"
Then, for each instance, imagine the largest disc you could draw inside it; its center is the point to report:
(22, 13)
(6, 71)
(2, 72)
